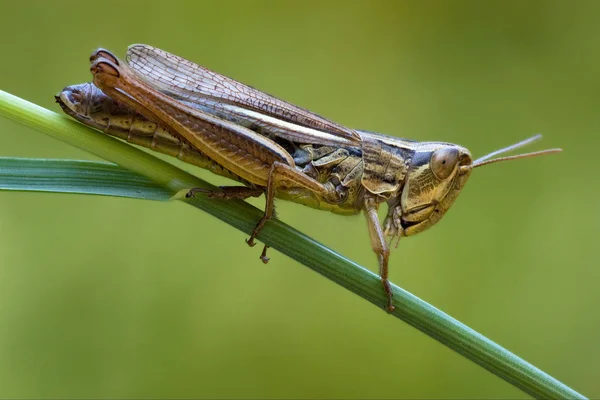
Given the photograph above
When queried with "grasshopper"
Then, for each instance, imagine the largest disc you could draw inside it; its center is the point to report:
(168, 104)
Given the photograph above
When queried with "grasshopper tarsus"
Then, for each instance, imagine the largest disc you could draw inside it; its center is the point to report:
(263, 255)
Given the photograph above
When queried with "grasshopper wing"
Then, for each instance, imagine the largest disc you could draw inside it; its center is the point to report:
(229, 99)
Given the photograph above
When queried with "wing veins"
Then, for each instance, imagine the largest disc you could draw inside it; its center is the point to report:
(187, 81)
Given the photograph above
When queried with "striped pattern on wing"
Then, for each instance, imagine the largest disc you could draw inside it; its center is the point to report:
(184, 80)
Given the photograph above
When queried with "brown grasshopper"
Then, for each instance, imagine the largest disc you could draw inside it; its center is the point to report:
(171, 105)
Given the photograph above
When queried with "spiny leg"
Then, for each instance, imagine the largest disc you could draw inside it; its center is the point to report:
(380, 247)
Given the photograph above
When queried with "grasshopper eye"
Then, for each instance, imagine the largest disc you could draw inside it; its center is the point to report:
(443, 162)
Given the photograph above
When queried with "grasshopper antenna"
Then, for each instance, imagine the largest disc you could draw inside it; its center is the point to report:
(487, 159)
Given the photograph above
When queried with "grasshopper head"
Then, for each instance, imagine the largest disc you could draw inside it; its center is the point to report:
(433, 181)
(436, 175)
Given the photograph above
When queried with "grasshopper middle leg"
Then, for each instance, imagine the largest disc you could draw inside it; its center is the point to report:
(280, 175)
(283, 175)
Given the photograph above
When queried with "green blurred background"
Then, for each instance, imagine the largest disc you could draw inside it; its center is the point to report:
(109, 297)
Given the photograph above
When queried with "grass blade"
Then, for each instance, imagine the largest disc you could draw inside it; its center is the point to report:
(74, 176)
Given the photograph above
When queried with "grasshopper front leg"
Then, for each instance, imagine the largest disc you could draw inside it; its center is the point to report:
(379, 245)
(280, 176)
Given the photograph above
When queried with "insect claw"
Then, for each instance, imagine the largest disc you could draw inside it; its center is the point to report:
(263, 255)
(251, 241)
